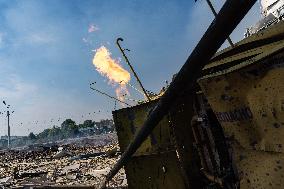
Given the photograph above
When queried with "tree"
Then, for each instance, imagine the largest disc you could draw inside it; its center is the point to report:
(69, 128)
(87, 123)
(67, 123)
(54, 133)
(32, 136)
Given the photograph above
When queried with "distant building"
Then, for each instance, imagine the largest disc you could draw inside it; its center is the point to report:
(3, 143)
(11, 137)
(15, 140)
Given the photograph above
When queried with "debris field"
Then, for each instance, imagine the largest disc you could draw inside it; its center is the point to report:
(78, 162)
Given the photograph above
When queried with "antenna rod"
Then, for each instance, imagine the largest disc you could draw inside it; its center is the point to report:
(215, 14)
(109, 96)
(132, 69)
(135, 88)
(130, 99)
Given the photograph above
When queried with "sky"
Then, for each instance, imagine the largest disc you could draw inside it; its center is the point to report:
(47, 47)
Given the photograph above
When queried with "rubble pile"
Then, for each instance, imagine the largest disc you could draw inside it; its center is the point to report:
(60, 164)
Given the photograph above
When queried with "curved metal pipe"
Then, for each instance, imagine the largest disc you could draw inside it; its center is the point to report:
(132, 69)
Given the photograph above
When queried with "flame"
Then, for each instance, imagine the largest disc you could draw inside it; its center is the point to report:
(111, 69)
(121, 91)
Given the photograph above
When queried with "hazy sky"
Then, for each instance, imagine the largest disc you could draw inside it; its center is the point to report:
(46, 52)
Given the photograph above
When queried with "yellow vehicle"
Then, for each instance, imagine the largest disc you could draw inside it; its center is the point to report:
(226, 132)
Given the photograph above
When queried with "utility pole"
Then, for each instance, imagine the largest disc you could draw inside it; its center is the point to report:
(9, 136)
(132, 69)
(215, 14)
(8, 120)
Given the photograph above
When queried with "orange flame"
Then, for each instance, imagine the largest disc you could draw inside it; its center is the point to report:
(110, 68)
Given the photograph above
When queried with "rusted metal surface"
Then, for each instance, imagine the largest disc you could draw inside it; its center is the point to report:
(155, 164)
(256, 42)
(215, 36)
(155, 171)
(248, 103)
(216, 162)
(247, 99)
(128, 122)
(180, 123)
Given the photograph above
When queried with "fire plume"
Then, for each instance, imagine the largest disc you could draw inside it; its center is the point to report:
(110, 68)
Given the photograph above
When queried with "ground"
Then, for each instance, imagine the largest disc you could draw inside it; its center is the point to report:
(84, 162)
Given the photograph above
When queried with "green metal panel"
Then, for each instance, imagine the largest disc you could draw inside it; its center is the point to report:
(155, 164)
(128, 121)
(155, 171)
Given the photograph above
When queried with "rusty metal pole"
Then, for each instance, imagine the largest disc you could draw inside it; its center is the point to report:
(215, 14)
(132, 69)
(225, 22)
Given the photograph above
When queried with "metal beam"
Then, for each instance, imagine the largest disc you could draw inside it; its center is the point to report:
(215, 14)
(223, 25)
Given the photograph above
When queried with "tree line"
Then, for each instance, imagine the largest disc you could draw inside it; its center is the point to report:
(69, 129)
